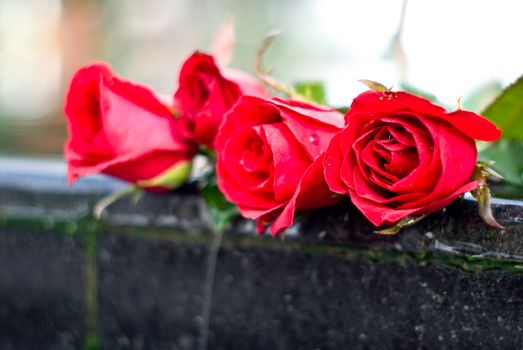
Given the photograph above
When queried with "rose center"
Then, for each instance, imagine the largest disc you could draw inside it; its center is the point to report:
(390, 153)
(249, 159)
(402, 162)
(252, 155)
(397, 148)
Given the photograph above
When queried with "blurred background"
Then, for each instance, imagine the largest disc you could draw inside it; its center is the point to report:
(452, 49)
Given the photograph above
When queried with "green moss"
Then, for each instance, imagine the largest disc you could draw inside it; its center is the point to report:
(92, 229)
(65, 228)
(91, 341)
(427, 258)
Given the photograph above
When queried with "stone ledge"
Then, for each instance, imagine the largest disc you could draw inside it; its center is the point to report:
(456, 230)
(136, 280)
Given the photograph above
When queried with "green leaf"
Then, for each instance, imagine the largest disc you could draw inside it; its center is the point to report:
(220, 210)
(508, 155)
(312, 90)
(342, 110)
(479, 98)
(507, 111)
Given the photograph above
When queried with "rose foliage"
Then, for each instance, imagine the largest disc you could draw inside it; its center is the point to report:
(394, 155)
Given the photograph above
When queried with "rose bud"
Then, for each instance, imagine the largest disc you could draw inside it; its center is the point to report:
(270, 159)
(402, 156)
(123, 130)
(205, 94)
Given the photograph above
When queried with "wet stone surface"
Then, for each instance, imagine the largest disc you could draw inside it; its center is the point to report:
(182, 210)
(456, 230)
(449, 282)
(266, 299)
(149, 293)
(41, 290)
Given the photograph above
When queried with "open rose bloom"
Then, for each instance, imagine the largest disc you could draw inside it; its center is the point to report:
(206, 92)
(270, 159)
(394, 155)
(401, 156)
(123, 130)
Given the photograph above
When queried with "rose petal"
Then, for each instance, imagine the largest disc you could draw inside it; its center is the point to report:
(134, 120)
(232, 155)
(313, 126)
(375, 104)
(376, 165)
(289, 159)
(441, 203)
(208, 118)
(425, 175)
(255, 213)
(312, 192)
(248, 85)
(456, 167)
(249, 111)
(334, 158)
(87, 143)
(376, 212)
(401, 135)
(146, 166)
(363, 188)
(111, 122)
(321, 113)
(205, 94)
(235, 193)
(474, 125)
(402, 162)
(263, 222)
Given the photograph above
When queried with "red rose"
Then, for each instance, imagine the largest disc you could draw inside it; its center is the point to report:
(205, 94)
(123, 130)
(400, 155)
(270, 159)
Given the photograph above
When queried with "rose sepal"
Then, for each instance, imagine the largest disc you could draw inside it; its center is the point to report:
(482, 192)
(171, 178)
(374, 86)
(403, 223)
(132, 191)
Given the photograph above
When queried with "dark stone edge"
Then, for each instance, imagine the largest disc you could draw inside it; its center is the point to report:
(457, 230)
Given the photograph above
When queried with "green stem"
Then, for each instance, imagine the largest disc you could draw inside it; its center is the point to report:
(91, 337)
(267, 79)
(209, 287)
(111, 198)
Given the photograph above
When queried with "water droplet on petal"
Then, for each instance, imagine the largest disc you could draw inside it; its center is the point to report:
(313, 138)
